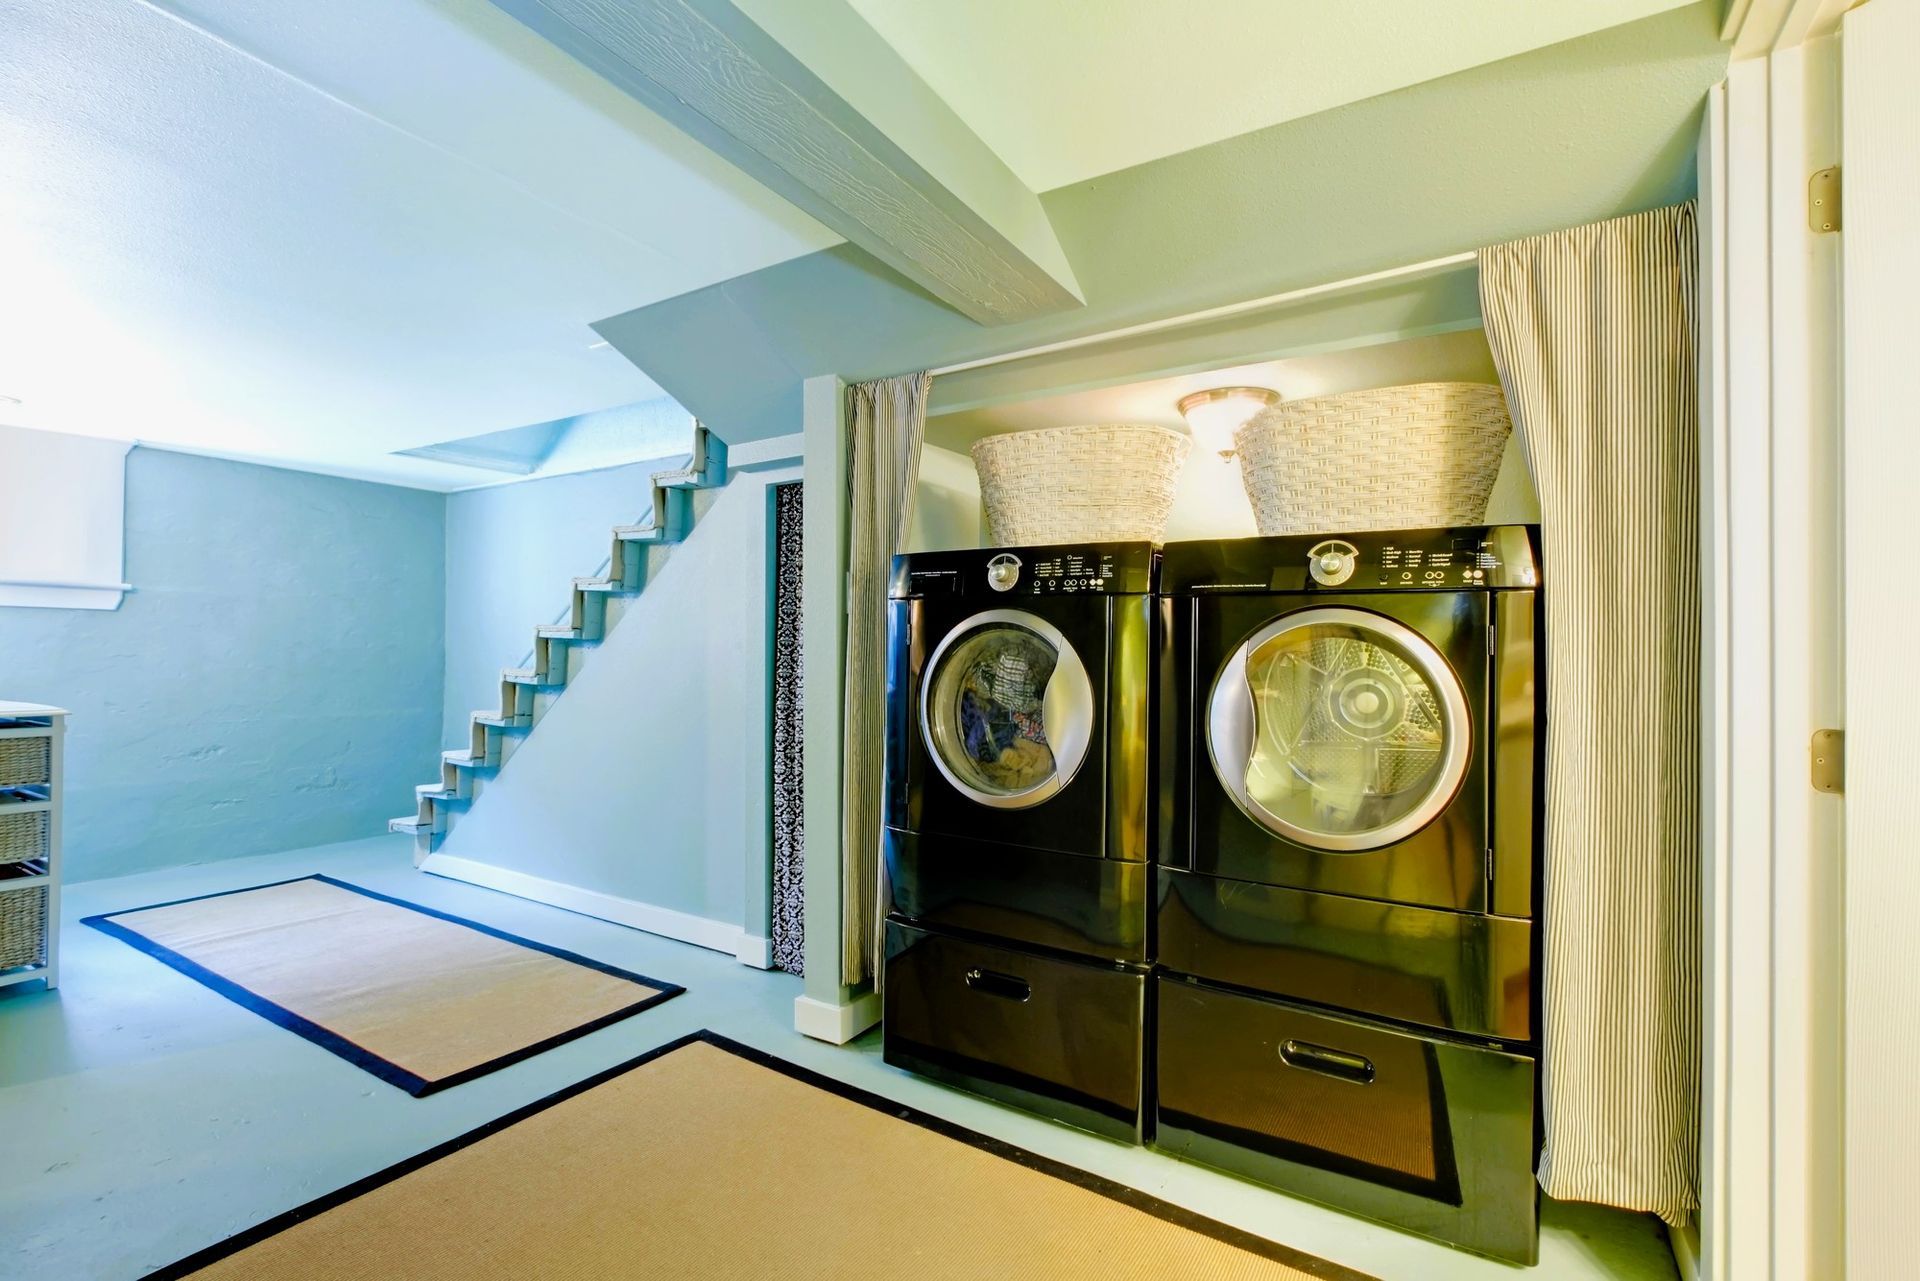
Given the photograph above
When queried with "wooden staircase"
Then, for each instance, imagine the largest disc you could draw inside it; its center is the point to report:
(680, 497)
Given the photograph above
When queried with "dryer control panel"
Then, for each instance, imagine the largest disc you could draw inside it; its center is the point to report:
(1489, 557)
(1460, 562)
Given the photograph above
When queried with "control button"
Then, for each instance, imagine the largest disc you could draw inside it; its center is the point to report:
(1003, 571)
(1332, 562)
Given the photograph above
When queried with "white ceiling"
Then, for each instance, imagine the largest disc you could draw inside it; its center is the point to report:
(1065, 90)
(317, 233)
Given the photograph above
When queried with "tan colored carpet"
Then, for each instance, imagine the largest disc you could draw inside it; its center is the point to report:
(418, 998)
(707, 1159)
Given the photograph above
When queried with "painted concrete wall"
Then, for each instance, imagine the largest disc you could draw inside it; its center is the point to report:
(648, 778)
(946, 507)
(512, 552)
(273, 680)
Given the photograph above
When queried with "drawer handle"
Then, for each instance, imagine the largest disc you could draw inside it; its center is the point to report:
(1001, 985)
(1335, 1063)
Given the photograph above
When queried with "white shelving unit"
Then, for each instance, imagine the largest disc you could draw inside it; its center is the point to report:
(21, 796)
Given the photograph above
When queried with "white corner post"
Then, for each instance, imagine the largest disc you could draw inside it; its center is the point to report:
(828, 1010)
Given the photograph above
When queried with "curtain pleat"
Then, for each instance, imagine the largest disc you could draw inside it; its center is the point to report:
(886, 419)
(1593, 332)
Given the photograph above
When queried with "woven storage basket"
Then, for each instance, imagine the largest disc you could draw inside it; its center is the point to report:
(23, 927)
(24, 762)
(1111, 482)
(1414, 457)
(22, 837)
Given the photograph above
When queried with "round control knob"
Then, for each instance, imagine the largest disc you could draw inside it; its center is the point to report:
(1003, 571)
(1332, 563)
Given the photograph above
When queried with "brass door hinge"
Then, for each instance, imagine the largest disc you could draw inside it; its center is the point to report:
(1823, 199)
(1829, 760)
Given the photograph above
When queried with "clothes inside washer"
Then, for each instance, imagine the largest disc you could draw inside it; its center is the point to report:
(1002, 676)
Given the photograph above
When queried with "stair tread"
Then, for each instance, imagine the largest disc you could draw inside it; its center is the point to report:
(409, 823)
(526, 676)
(557, 632)
(613, 585)
(639, 533)
(435, 792)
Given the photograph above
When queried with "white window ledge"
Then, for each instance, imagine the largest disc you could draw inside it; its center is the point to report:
(47, 593)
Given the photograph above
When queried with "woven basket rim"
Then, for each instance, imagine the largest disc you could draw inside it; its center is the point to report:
(1077, 429)
(1284, 407)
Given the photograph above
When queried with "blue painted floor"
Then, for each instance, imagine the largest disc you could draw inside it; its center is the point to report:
(143, 1117)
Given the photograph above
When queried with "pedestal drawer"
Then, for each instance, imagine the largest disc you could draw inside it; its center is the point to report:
(1431, 1134)
(1060, 1037)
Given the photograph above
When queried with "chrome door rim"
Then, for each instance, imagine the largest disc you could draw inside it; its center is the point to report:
(1074, 701)
(1230, 721)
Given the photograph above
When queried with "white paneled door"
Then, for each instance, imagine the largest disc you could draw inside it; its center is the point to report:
(1881, 381)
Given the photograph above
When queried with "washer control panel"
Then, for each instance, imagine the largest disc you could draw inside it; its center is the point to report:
(1000, 573)
(1067, 572)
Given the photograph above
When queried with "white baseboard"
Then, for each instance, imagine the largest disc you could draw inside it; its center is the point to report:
(755, 951)
(835, 1024)
(664, 921)
(1685, 1242)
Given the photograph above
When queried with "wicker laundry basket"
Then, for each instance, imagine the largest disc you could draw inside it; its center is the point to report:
(23, 927)
(23, 837)
(1414, 457)
(25, 762)
(1108, 482)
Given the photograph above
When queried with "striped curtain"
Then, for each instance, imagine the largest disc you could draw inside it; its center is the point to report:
(887, 419)
(1593, 334)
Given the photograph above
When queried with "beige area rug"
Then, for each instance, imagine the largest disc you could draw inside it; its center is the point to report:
(709, 1159)
(420, 999)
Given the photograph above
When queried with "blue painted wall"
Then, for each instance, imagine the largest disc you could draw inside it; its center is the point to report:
(272, 681)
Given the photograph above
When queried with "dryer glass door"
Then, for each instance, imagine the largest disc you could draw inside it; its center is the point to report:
(1006, 709)
(1339, 729)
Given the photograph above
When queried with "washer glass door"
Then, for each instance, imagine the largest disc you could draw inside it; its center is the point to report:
(1339, 729)
(1006, 709)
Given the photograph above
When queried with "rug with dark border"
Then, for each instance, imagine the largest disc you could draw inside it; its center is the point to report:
(433, 1005)
(697, 1168)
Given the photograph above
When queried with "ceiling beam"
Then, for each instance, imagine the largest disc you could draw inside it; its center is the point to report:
(898, 175)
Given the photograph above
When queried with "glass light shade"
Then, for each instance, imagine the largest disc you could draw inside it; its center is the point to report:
(1215, 414)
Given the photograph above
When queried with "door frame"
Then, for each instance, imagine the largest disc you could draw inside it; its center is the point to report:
(1882, 997)
(1771, 657)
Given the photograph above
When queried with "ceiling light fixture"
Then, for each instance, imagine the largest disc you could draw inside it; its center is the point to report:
(1215, 414)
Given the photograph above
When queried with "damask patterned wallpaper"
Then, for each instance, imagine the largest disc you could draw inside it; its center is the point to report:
(789, 685)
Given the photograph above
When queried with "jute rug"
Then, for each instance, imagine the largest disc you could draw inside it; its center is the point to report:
(420, 999)
(708, 1159)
